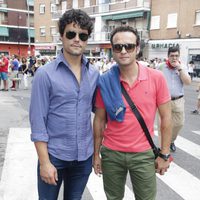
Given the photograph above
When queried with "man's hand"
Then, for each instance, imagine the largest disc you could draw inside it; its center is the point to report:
(97, 165)
(161, 165)
(48, 173)
(176, 64)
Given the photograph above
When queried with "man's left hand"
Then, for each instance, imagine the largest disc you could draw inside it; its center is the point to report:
(161, 165)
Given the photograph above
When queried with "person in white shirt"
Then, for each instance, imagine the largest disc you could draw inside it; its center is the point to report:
(191, 67)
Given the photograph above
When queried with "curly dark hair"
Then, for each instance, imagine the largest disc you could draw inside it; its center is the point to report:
(77, 16)
(125, 29)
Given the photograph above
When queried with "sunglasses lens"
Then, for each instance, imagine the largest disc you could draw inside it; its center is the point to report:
(129, 47)
(83, 36)
(117, 48)
(70, 35)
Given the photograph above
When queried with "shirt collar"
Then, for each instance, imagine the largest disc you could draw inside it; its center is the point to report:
(60, 59)
(142, 72)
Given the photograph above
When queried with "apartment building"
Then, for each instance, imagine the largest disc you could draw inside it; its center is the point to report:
(45, 27)
(106, 14)
(17, 27)
(175, 22)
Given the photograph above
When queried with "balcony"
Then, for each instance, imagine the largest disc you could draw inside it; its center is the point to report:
(55, 1)
(111, 8)
(4, 22)
(3, 5)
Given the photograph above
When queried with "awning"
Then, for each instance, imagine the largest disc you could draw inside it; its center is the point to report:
(31, 33)
(4, 31)
(30, 2)
(124, 15)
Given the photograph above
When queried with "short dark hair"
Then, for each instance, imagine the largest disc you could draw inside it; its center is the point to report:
(77, 16)
(173, 49)
(125, 29)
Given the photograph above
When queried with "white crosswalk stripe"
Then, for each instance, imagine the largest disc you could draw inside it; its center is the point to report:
(182, 182)
(18, 180)
(187, 146)
(95, 186)
(197, 132)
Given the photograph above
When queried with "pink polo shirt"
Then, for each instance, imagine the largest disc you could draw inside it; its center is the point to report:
(148, 92)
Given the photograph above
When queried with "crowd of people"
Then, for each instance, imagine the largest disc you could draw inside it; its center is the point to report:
(13, 69)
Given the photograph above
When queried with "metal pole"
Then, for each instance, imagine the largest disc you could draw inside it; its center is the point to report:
(29, 41)
(18, 37)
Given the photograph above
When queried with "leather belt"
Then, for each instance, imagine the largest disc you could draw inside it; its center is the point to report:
(175, 98)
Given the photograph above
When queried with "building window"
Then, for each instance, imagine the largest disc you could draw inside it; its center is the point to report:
(53, 30)
(155, 22)
(103, 1)
(42, 8)
(86, 3)
(197, 18)
(42, 31)
(172, 20)
(75, 4)
(64, 6)
(53, 8)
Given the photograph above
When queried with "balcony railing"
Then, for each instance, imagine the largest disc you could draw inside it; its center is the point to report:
(55, 1)
(4, 22)
(110, 7)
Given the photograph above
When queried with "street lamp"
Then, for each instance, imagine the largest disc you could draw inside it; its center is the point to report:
(18, 37)
(29, 39)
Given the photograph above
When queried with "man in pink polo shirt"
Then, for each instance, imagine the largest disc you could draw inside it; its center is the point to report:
(120, 140)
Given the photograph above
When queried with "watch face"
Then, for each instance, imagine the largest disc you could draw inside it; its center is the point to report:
(164, 156)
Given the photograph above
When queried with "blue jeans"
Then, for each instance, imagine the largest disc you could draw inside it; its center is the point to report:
(75, 175)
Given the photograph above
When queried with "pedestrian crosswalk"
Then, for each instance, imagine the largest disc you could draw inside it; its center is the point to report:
(18, 180)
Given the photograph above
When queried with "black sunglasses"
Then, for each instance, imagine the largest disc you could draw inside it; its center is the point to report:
(117, 48)
(71, 34)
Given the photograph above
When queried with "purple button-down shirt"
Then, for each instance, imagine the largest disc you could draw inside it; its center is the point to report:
(60, 109)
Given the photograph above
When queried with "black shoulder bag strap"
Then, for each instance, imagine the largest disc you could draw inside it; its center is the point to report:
(140, 119)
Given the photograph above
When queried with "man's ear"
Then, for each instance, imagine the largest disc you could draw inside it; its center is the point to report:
(137, 49)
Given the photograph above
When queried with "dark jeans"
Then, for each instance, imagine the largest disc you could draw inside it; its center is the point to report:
(75, 175)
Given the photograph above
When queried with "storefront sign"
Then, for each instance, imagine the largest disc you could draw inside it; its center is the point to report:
(45, 47)
(163, 45)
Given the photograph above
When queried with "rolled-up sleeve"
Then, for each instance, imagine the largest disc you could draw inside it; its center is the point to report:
(39, 106)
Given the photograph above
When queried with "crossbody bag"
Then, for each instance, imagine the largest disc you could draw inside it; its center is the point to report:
(139, 117)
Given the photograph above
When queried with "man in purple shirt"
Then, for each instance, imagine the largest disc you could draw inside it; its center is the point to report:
(14, 72)
(60, 112)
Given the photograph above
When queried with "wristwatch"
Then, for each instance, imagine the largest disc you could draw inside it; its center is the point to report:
(164, 156)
